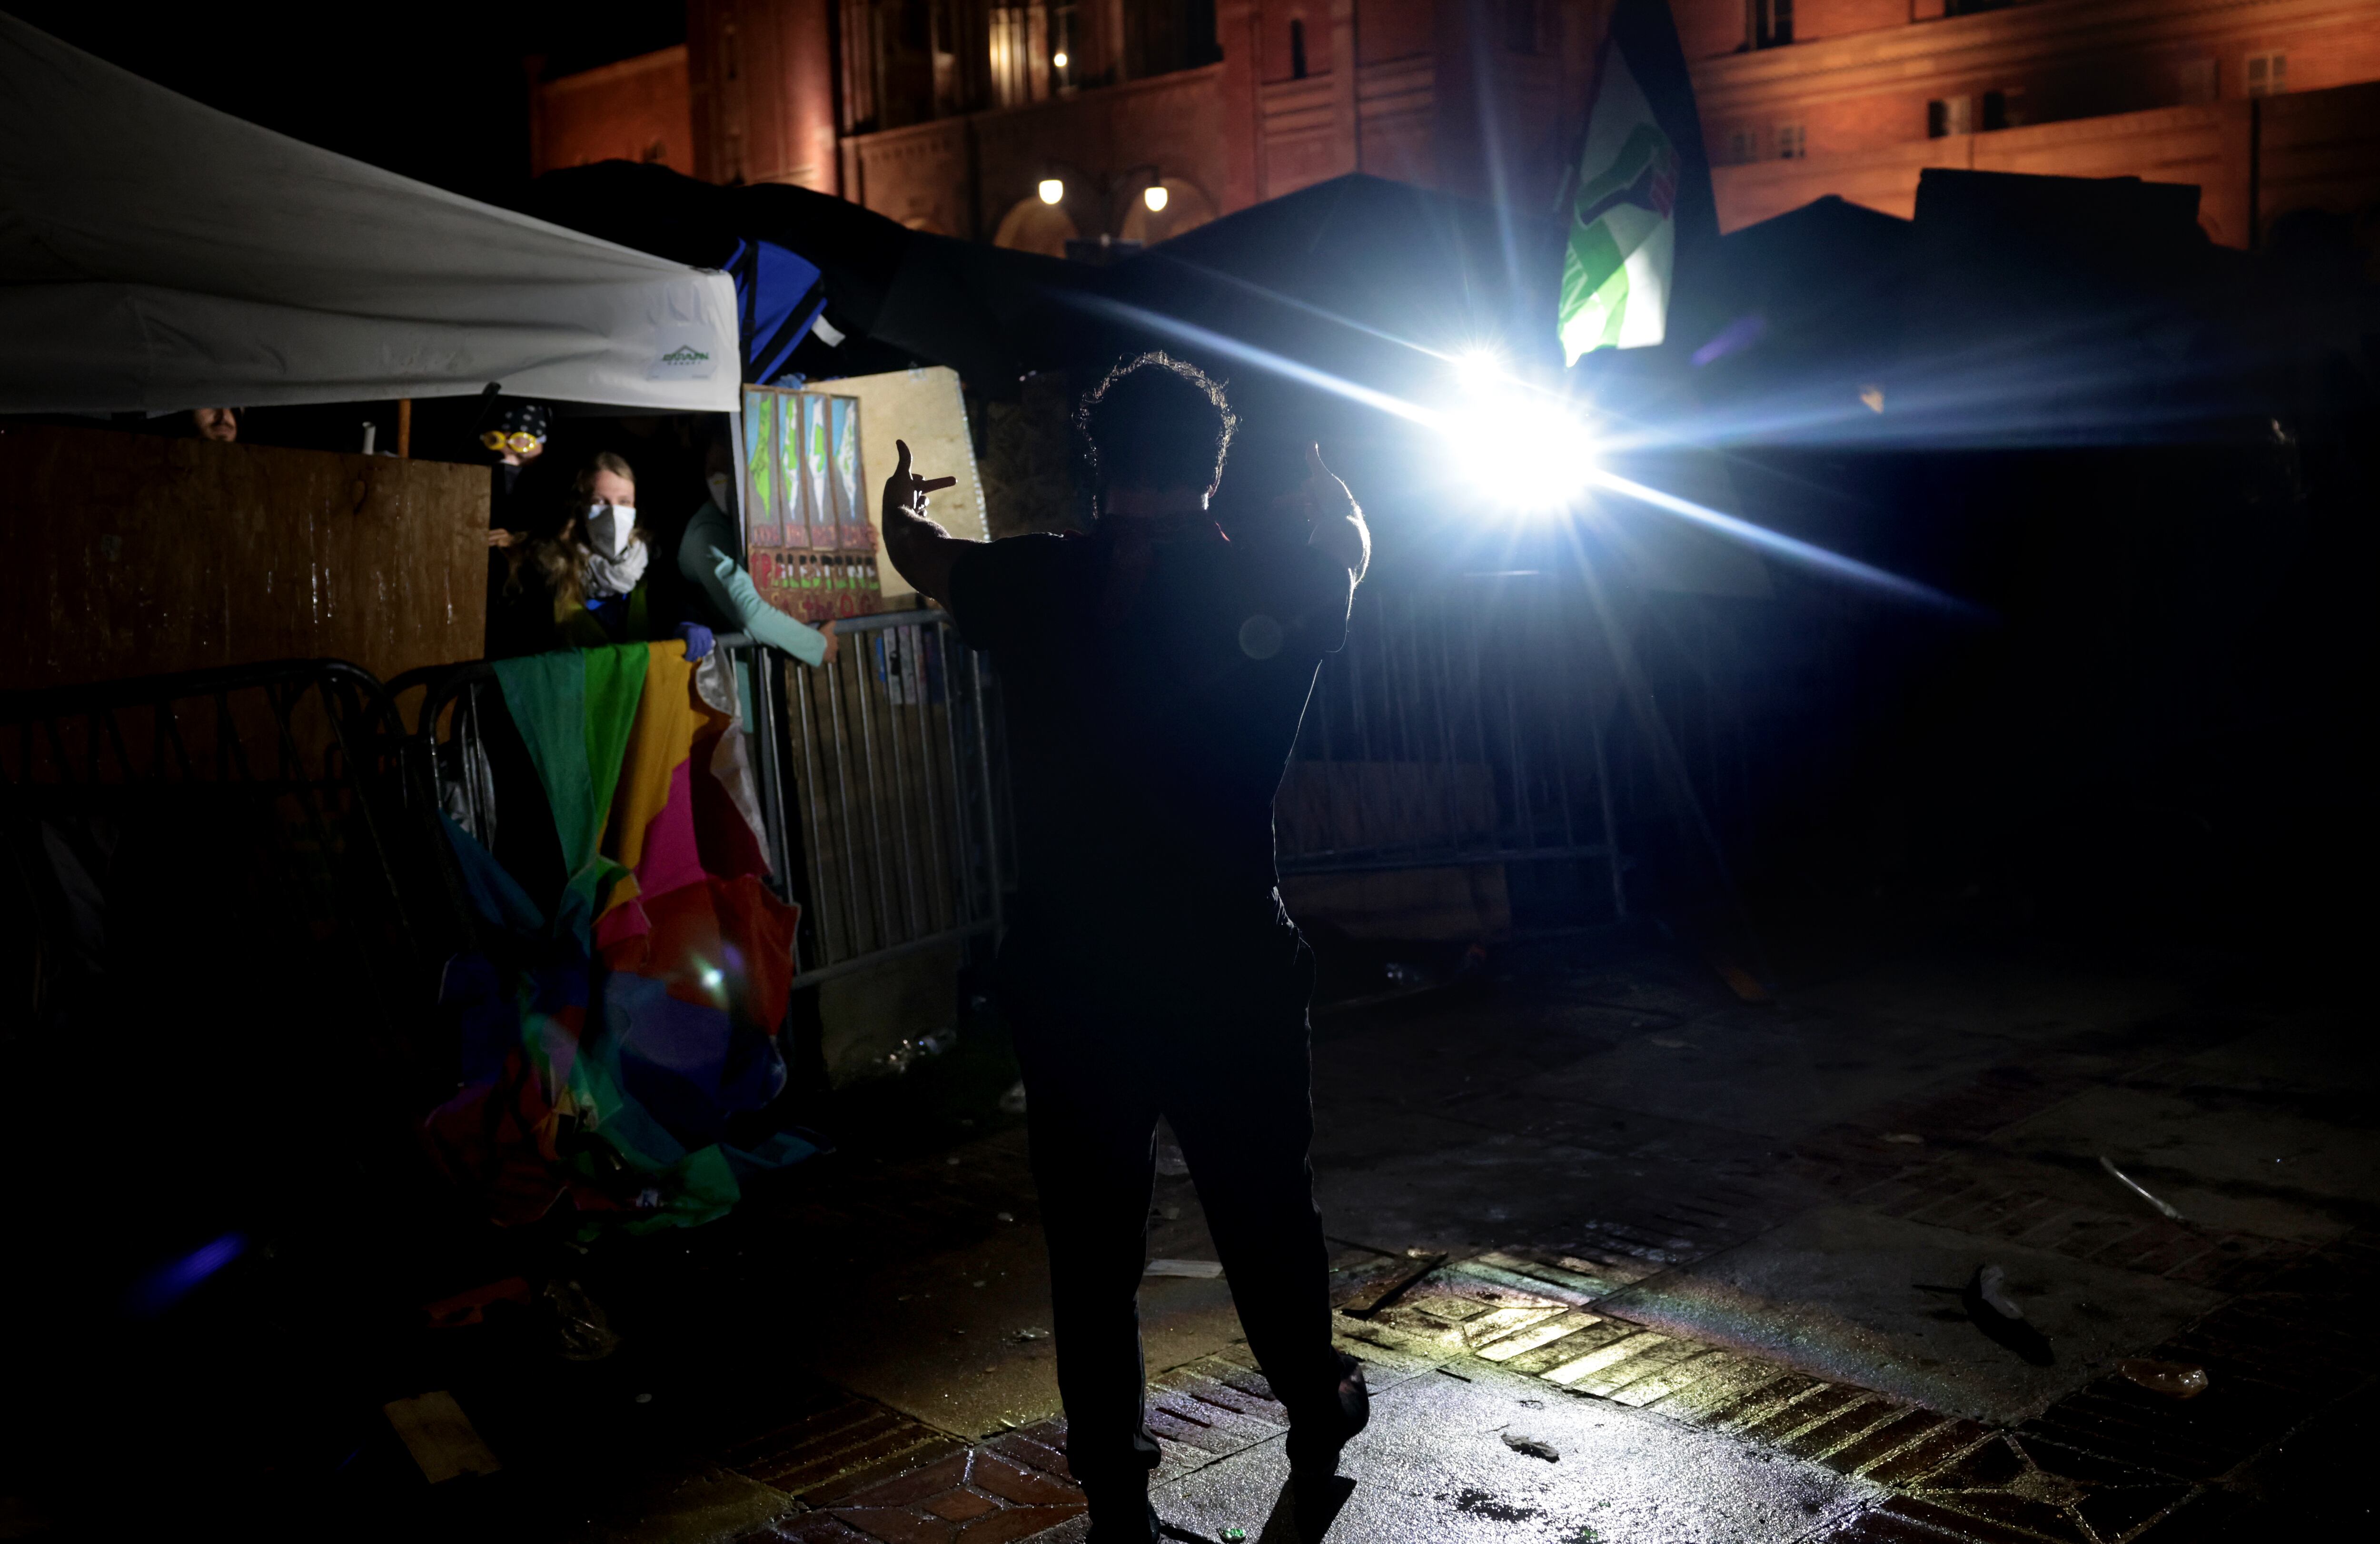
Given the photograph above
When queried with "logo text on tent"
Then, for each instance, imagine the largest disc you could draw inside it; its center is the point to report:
(686, 355)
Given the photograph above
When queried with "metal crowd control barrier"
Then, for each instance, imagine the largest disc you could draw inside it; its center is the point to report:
(893, 797)
(1453, 729)
(875, 778)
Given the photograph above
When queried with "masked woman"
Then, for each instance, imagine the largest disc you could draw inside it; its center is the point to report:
(580, 583)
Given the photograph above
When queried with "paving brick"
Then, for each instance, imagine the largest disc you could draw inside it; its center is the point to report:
(1033, 1455)
(1927, 1452)
(910, 1489)
(960, 1505)
(1022, 1522)
(1020, 1486)
(1880, 1441)
(1837, 1430)
(1723, 1382)
(809, 1528)
(892, 1525)
(1960, 1525)
(1700, 1362)
(1763, 1401)
(839, 1486)
(1800, 1414)
(1195, 1382)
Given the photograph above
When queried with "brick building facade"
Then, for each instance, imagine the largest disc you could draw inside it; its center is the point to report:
(951, 115)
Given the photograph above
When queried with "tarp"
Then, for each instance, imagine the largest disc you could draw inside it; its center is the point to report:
(156, 254)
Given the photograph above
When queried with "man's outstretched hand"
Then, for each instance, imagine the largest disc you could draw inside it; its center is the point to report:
(922, 551)
(905, 492)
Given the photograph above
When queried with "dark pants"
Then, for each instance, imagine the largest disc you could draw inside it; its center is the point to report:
(1214, 1040)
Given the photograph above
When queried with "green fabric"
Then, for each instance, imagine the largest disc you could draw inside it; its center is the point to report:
(574, 710)
(1623, 211)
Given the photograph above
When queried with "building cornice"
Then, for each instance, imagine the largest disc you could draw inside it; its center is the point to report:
(1891, 59)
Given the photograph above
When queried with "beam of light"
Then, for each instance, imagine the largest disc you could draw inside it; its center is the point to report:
(1575, 463)
(176, 1279)
(1785, 548)
(1195, 336)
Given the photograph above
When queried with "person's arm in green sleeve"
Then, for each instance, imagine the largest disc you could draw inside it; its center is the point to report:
(735, 600)
(742, 601)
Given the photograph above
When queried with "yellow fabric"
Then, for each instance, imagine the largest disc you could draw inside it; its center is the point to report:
(662, 738)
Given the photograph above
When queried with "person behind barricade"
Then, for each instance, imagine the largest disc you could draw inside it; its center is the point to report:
(711, 558)
(515, 438)
(215, 424)
(579, 582)
(1155, 673)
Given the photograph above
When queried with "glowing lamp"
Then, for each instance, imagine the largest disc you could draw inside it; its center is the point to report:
(1058, 58)
(1516, 445)
(1051, 190)
(1154, 196)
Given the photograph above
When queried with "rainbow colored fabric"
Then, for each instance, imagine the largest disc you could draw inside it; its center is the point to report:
(605, 1053)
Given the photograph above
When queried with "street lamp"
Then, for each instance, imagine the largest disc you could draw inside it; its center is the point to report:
(1053, 190)
(1154, 196)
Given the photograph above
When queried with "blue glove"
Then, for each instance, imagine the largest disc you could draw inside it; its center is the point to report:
(698, 640)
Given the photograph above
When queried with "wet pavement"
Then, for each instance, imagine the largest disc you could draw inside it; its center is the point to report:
(1627, 1259)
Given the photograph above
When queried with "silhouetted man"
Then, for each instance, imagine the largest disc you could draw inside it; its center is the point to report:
(1155, 673)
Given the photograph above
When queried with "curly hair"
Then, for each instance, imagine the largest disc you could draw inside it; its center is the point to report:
(1156, 421)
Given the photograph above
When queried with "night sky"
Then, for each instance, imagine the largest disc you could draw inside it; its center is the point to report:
(436, 90)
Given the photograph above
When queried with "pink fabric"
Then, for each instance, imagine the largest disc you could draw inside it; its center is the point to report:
(671, 860)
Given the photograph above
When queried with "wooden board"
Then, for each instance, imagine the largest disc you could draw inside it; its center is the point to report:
(924, 408)
(133, 554)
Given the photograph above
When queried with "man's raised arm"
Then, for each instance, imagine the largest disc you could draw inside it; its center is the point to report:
(1339, 530)
(922, 551)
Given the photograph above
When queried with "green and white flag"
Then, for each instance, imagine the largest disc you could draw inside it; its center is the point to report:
(1619, 267)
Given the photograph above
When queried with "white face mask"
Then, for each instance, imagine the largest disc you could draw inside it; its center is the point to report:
(719, 483)
(608, 526)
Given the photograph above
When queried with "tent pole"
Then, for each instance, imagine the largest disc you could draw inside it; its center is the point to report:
(403, 427)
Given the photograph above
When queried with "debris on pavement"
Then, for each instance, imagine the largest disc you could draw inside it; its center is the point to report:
(2128, 1183)
(1533, 1447)
(2174, 1380)
(582, 1331)
(440, 1437)
(2001, 1317)
(1193, 1270)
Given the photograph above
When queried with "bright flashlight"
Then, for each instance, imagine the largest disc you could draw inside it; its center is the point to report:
(1517, 447)
(1052, 189)
(1154, 196)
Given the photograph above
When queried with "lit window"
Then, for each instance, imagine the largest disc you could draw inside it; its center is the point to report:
(1950, 114)
(1789, 144)
(2268, 74)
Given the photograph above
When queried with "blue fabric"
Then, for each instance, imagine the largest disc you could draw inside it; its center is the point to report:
(777, 297)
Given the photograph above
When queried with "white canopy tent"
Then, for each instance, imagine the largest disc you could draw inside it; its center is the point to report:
(158, 255)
